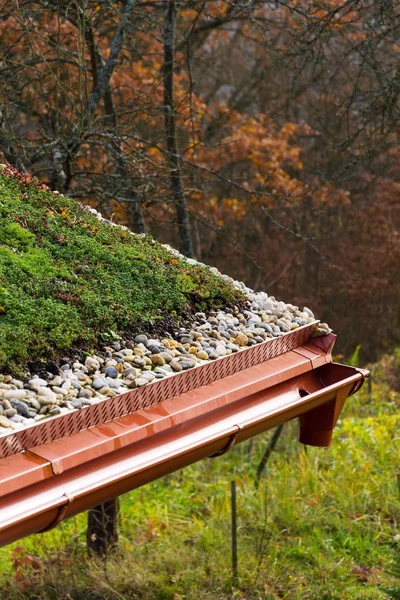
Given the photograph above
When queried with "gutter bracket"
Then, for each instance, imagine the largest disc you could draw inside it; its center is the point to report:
(358, 384)
(60, 515)
(229, 444)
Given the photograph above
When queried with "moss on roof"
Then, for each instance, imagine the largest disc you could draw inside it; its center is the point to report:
(69, 280)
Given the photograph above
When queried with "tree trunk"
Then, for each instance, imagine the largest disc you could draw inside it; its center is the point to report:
(178, 193)
(102, 530)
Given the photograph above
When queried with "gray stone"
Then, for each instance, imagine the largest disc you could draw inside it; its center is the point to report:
(85, 393)
(149, 375)
(283, 326)
(138, 360)
(98, 382)
(220, 350)
(140, 382)
(111, 372)
(141, 339)
(77, 403)
(16, 418)
(20, 407)
(186, 364)
(113, 383)
(166, 356)
(298, 321)
(265, 326)
(165, 369)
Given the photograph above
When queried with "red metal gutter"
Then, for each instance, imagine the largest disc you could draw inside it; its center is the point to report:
(45, 483)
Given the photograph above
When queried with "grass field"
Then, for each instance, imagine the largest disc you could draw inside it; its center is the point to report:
(323, 524)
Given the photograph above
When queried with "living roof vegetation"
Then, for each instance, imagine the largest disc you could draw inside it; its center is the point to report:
(68, 280)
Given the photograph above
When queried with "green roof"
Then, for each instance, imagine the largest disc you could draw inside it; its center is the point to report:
(69, 279)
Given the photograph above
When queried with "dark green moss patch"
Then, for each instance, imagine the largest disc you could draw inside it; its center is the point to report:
(68, 280)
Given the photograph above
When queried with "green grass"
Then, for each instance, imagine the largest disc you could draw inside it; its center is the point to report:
(324, 524)
(69, 281)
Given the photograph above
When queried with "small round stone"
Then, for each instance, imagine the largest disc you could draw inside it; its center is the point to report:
(187, 364)
(77, 403)
(20, 407)
(4, 422)
(92, 364)
(149, 375)
(111, 372)
(46, 396)
(241, 339)
(98, 383)
(10, 412)
(166, 356)
(157, 360)
(106, 391)
(175, 366)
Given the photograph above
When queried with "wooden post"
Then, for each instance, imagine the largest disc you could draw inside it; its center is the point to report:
(102, 530)
(234, 535)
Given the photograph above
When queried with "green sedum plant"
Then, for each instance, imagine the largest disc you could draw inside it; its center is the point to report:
(67, 279)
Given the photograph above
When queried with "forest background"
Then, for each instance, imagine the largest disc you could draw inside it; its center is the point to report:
(259, 137)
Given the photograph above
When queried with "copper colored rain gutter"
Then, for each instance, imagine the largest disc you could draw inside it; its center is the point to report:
(74, 469)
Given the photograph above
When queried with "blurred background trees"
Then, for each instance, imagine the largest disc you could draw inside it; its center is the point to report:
(260, 137)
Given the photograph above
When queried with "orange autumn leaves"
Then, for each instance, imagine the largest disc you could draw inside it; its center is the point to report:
(55, 73)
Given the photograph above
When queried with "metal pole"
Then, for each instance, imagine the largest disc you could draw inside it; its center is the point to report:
(234, 535)
(267, 453)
